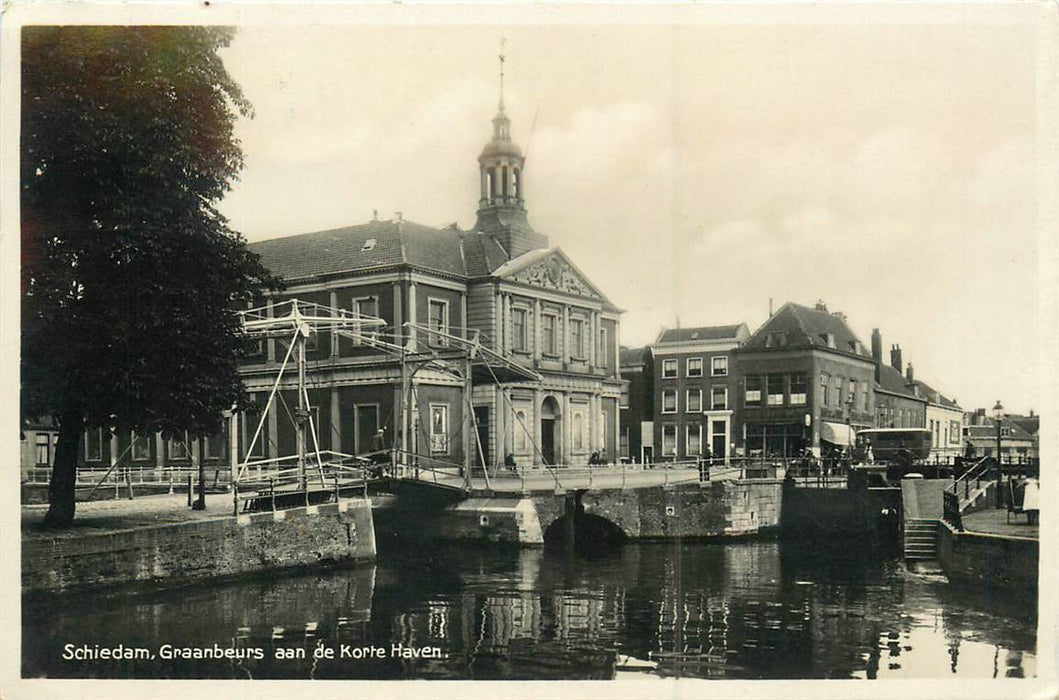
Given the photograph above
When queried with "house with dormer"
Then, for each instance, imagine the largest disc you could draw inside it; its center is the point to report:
(804, 381)
(500, 282)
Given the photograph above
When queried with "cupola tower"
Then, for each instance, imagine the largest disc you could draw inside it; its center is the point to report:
(502, 204)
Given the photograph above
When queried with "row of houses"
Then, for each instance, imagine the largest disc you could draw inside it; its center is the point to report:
(802, 381)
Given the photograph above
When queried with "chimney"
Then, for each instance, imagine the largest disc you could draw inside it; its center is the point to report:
(895, 358)
(876, 353)
(397, 217)
(909, 374)
(1031, 413)
(374, 214)
(770, 307)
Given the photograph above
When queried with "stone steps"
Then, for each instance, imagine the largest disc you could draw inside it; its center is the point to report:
(920, 539)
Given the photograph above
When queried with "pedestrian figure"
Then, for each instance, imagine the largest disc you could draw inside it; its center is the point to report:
(510, 463)
(378, 453)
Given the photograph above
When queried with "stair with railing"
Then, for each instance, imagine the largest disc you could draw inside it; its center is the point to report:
(966, 492)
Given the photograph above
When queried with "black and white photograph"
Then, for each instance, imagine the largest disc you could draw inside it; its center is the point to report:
(561, 349)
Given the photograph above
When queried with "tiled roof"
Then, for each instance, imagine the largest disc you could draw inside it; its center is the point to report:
(934, 395)
(893, 381)
(444, 250)
(989, 431)
(386, 244)
(807, 327)
(701, 333)
(628, 357)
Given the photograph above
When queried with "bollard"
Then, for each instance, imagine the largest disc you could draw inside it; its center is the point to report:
(189, 490)
(235, 498)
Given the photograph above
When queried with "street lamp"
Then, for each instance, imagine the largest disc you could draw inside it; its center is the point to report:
(997, 412)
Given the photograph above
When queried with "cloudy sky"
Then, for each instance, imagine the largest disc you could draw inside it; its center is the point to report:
(694, 169)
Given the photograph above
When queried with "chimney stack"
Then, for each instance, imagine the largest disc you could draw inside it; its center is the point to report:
(770, 307)
(374, 214)
(909, 374)
(895, 358)
(397, 217)
(876, 353)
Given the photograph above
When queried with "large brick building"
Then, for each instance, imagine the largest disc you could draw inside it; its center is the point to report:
(805, 380)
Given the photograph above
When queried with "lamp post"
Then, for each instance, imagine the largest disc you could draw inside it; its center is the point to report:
(997, 412)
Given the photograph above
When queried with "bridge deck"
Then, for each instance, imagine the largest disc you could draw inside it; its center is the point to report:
(541, 479)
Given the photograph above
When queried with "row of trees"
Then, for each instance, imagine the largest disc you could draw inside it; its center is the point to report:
(129, 271)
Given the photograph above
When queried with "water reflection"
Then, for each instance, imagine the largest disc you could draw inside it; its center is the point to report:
(743, 610)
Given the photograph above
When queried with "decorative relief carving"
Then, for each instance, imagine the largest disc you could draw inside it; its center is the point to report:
(553, 273)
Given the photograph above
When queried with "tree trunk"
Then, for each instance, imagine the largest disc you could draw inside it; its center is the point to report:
(61, 490)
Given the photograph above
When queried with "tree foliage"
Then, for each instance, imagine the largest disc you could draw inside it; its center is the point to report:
(129, 271)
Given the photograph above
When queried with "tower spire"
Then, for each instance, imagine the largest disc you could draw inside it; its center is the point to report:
(502, 57)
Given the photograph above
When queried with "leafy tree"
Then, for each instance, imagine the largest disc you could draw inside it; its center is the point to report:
(129, 271)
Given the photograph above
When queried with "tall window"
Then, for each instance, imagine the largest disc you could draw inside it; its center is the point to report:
(825, 393)
(669, 369)
(365, 307)
(954, 432)
(623, 401)
(753, 390)
(579, 431)
(693, 439)
(719, 366)
(852, 397)
(577, 338)
(694, 366)
(602, 347)
(836, 391)
(141, 448)
(669, 401)
(799, 388)
(94, 444)
(549, 323)
(719, 397)
(43, 443)
(693, 401)
(177, 447)
(519, 330)
(439, 428)
(669, 440)
(438, 317)
(603, 430)
(775, 390)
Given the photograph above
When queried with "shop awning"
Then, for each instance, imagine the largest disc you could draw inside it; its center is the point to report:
(836, 433)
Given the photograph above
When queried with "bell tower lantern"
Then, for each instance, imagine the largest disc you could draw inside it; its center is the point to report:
(502, 203)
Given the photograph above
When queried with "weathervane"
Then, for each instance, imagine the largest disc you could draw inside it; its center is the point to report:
(502, 57)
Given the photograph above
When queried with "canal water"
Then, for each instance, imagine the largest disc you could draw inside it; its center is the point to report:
(734, 610)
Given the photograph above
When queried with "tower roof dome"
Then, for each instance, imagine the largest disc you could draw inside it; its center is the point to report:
(501, 143)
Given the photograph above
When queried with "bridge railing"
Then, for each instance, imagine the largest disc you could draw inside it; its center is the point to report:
(286, 485)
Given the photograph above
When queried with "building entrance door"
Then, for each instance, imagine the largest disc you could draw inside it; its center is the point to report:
(481, 419)
(548, 440)
(719, 440)
(549, 430)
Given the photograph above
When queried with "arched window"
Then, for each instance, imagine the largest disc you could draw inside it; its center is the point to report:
(491, 175)
(503, 180)
(515, 184)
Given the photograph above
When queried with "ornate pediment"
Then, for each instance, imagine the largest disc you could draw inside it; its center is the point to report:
(553, 272)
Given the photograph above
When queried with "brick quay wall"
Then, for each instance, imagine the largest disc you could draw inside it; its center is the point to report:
(177, 553)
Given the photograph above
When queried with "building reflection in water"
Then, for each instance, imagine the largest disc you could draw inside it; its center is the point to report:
(733, 610)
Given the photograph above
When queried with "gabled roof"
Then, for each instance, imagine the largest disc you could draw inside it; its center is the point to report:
(892, 381)
(513, 267)
(935, 396)
(1015, 431)
(631, 357)
(700, 334)
(1030, 424)
(807, 327)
